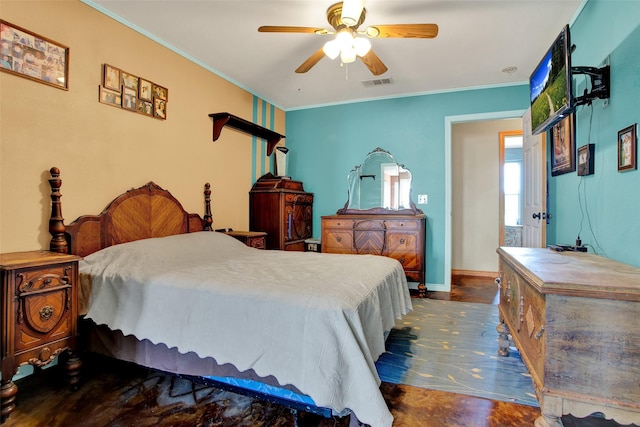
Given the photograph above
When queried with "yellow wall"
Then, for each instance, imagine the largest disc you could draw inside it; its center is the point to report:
(102, 151)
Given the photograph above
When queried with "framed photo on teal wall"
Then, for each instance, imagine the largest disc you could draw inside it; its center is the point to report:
(627, 149)
(563, 147)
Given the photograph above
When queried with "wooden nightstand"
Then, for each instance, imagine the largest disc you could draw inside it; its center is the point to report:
(39, 316)
(255, 239)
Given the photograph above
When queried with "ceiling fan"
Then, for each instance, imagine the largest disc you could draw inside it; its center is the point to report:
(345, 18)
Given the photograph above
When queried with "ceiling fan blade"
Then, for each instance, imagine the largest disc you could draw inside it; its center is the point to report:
(311, 61)
(374, 63)
(420, 31)
(286, 29)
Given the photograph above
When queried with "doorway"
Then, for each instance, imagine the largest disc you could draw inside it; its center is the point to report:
(450, 121)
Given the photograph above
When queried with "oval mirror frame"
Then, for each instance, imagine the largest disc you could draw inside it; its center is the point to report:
(379, 185)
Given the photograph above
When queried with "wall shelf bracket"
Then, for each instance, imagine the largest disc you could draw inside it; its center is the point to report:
(221, 120)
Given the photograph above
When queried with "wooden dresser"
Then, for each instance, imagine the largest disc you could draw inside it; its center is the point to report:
(39, 315)
(575, 317)
(281, 208)
(401, 237)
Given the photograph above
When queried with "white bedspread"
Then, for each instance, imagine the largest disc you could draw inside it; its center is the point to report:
(315, 321)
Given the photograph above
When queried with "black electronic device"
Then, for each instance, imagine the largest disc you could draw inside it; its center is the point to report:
(567, 248)
(550, 85)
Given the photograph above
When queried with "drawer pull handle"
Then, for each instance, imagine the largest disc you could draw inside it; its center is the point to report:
(401, 261)
(402, 241)
(46, 312)
(339, 239)
(540, 332)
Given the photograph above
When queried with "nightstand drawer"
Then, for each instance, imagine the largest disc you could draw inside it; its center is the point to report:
(43, 297)
(42, 318)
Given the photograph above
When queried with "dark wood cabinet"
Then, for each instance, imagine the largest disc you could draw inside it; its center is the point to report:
(281, 208)
(401, 237)
(39, 315)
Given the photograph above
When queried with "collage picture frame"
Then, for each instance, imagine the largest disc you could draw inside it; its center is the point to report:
(26, 54)
(130, 92)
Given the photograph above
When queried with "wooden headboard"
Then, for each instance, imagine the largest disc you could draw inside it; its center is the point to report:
(140, 213)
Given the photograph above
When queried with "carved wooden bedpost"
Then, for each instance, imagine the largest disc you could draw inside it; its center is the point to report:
(208, 218)
(56, 221)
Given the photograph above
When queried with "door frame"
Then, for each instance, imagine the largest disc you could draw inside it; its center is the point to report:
(449, 121)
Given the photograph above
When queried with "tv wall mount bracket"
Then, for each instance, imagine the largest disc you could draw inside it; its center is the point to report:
(599, 84)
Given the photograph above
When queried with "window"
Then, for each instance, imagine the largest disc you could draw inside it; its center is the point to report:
(512, 193)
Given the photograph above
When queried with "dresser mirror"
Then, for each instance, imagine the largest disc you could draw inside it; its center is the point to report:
(379, 185)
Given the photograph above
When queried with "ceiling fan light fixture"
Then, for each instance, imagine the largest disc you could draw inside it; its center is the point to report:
(332, 49)
(347, 55)
(351, 11)
(344, 37)
(361, 46)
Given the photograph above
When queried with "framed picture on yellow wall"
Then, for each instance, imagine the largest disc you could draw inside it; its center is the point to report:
(145, 90)
(110, 97)
(111, 78)
(32, 56)
(129, 81)
(160, 92)
(160, 108)
(129, 98)
(145, 107)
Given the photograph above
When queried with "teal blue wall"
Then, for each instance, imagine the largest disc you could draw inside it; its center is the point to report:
(604, 207)
(327, 142)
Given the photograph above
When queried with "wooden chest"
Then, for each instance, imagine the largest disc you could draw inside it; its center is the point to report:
(401, 237)
(575, 318)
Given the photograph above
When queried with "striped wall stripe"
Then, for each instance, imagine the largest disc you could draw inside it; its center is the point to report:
(264, 114)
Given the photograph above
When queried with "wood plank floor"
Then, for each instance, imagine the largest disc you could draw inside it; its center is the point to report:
(41, 401)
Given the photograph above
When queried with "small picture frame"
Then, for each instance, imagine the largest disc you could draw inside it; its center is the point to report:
(111, 78)
(129, 98)
(110, 97)
(160, 92)
(627, 149)
(144, 107)
(32, 56)
(129, 81)
(145, 90)
(563, 146)
(585, 159)
(159, 108)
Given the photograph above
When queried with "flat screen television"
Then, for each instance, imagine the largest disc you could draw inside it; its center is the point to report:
(550, 85)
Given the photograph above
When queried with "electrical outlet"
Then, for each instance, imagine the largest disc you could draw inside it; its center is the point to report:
(423, 199)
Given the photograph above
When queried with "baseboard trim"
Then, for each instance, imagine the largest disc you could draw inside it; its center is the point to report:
(436, 287)
(475, 273)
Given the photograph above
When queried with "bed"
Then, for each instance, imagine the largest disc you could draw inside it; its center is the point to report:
(160, 289)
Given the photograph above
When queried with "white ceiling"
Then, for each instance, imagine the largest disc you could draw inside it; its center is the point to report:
(477, 39)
